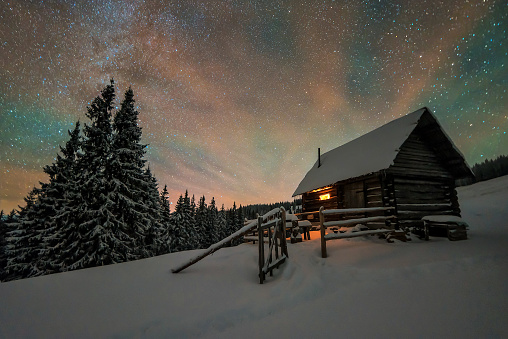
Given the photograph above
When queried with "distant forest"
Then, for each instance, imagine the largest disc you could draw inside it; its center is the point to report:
(251, 211)
(490, 169)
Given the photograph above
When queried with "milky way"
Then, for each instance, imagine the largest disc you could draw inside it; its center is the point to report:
(235, 97)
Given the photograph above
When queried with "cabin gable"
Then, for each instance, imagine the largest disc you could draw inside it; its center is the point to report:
(417, 158)
(412, 166)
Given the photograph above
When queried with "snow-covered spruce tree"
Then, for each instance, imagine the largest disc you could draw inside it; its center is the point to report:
(166, 232)
(185, 237)
(239, 225)
(197, 238)
(8, 224)
(153, 238)
(133, 190)
(62, 176)
(222, 224)
(3, 231)
(24, 240)
(181, 235)
(97, 238)
(201, 222)
(212, 233)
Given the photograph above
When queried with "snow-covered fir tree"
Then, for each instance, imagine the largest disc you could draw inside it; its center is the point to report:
(7, 224)
(62, 176)
(201, 223)
(133, 189)
(212, 232)
(96, 241)
(182, 231)
(24, 240)
(222, 223)
(3, 231)
(165, 214)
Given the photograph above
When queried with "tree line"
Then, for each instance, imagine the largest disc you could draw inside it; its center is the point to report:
(102, 204)
(252, 211)
(490, 169)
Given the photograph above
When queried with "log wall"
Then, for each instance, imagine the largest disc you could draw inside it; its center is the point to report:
(422, 184)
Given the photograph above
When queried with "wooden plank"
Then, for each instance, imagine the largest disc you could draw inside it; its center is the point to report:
(419, 172)
(357, 221)
(434, 168)
(274, 264)
(424, 207)
(418, 181)
(422, 197)
(421, 201)
(416, 157)
(333, 236)
(356, 210)
(421, 188)
(409, 149)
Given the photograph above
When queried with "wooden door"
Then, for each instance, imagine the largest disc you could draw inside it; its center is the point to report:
(354, 196)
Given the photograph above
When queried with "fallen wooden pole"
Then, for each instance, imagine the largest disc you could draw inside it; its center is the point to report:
(217, 246)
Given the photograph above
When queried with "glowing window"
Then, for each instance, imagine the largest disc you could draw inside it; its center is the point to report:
(324, 196)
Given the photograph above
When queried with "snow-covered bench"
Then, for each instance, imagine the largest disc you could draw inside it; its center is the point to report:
(456, 227)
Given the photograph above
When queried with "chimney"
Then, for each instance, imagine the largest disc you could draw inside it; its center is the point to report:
(319, 157)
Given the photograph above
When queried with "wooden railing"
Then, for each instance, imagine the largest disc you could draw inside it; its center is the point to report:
(345, 222)
(276, 233)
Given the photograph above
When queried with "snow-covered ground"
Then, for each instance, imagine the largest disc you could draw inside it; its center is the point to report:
(365, 288)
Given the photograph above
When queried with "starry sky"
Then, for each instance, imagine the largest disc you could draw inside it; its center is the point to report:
(236, 96)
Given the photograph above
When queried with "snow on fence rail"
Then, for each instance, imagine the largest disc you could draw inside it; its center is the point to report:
(354, 221)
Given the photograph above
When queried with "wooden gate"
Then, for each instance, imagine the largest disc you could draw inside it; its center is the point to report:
(274, 226)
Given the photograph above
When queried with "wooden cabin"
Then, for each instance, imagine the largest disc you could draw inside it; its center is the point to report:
(409, 163)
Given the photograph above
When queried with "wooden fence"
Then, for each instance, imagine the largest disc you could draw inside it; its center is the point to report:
(275, 230)
(347, 221)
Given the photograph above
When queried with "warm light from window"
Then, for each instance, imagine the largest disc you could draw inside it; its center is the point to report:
(324, 196)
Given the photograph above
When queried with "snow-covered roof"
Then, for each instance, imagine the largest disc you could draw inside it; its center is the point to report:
(372, 152)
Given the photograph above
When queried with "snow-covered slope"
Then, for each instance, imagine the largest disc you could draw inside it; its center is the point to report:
(365, 288)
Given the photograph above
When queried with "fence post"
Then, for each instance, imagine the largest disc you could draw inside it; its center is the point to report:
(283, 245)
(323, 240)
(261, 247)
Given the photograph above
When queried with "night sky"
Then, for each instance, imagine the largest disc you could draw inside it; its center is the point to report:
(235, 97)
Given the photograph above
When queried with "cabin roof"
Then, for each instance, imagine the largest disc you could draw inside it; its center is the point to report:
(376, 151)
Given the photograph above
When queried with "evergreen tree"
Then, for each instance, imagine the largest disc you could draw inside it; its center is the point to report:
(212, 233)
(128, 182)
(62, 176)
(3, 232)
(96, 238)
(154, 239)
(222, 224)
(23, 240)
(9, 224)
(166, 232)
(240, 221)
(181, 233)
(201, 222)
